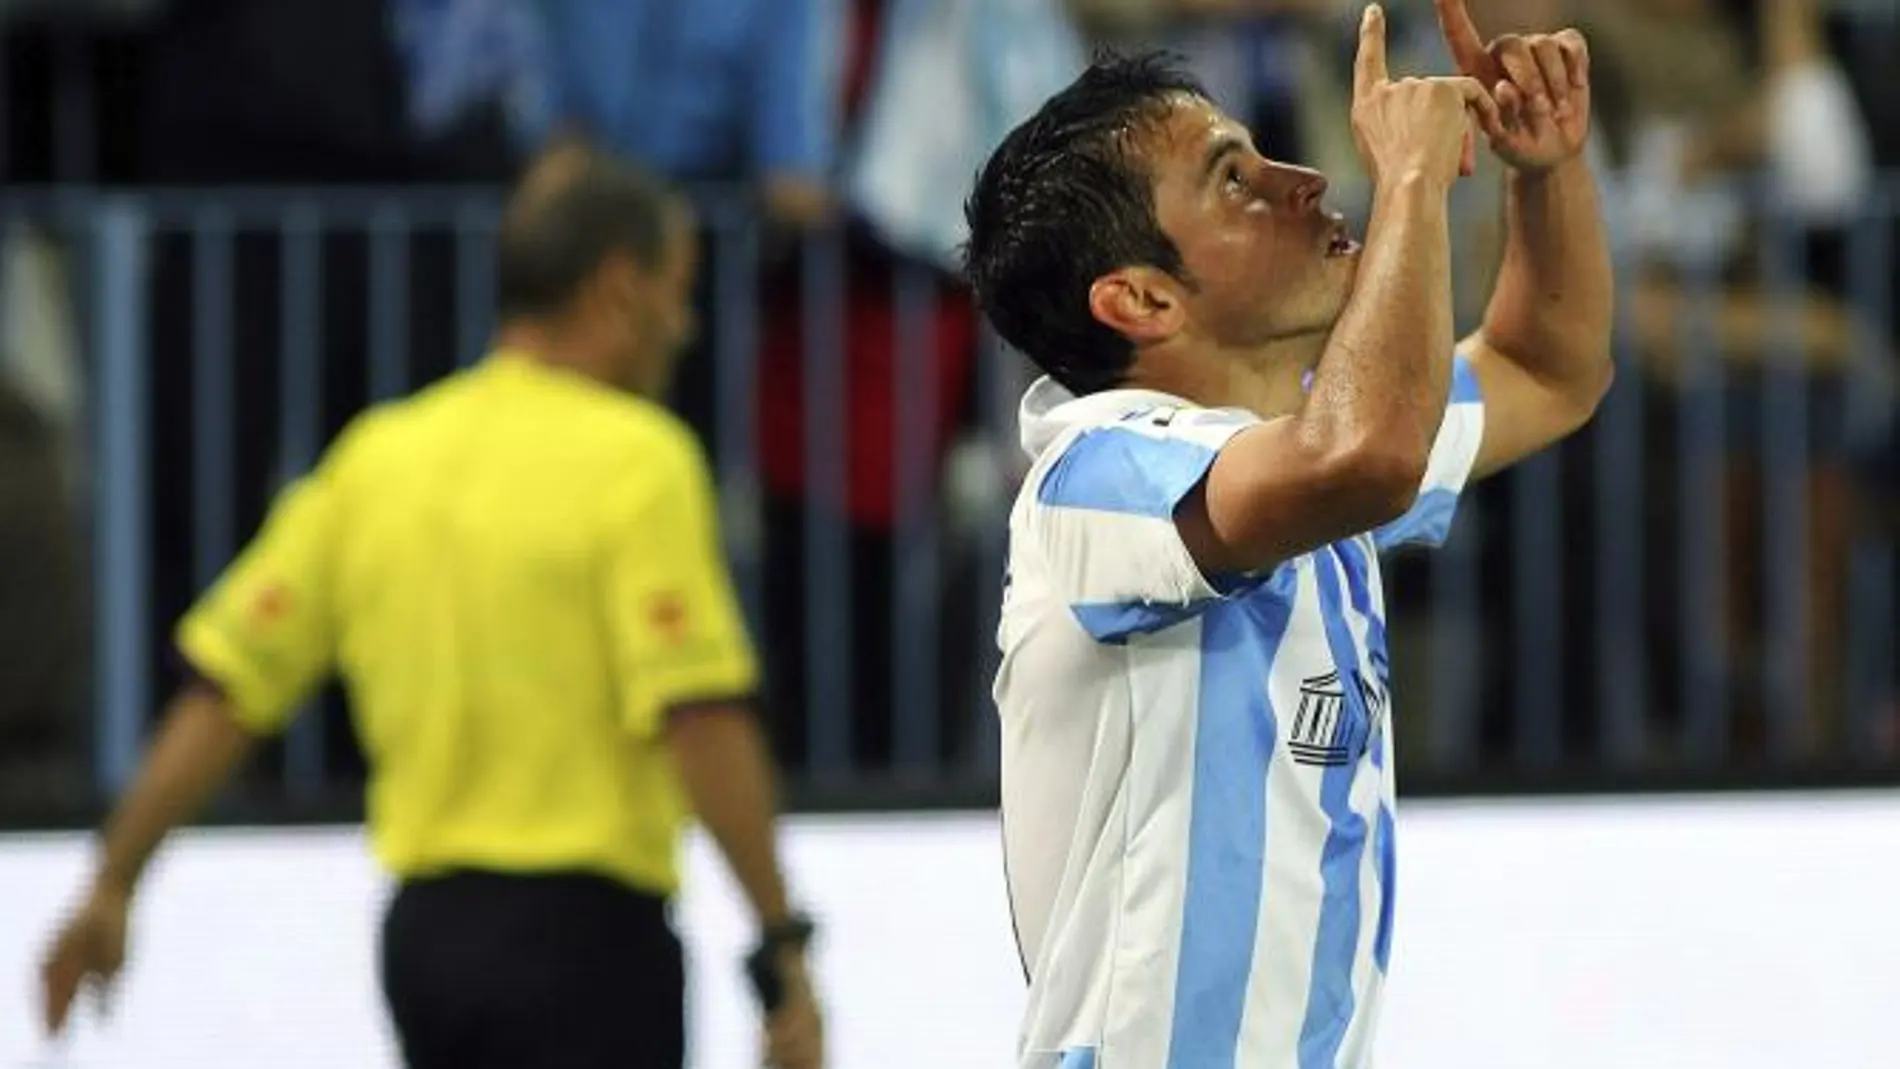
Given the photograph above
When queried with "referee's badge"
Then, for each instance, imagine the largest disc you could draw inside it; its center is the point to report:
(270, 604)
(667, 613)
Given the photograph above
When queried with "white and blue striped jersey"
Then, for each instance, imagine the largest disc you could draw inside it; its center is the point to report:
(1197, 771)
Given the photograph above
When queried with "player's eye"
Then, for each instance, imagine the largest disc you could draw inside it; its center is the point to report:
(1236, 181)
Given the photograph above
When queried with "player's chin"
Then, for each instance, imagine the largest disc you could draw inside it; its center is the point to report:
(1342, 268)
(1342, 280)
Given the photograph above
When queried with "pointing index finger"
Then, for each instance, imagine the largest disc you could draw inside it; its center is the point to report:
(1461, 34)
(1369, 69)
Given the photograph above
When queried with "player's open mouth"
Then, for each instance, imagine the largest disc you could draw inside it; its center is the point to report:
(1341, 244)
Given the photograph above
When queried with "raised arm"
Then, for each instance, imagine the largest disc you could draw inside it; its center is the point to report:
(1542, 355)
(1353, 458)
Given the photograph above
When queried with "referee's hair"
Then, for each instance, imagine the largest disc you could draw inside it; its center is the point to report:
(573, 209)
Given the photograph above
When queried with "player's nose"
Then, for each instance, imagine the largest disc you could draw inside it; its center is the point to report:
(1300, 188)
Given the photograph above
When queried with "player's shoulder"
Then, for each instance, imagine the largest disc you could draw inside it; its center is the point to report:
(1143, 436)
(1190, 422)
(1159, 421)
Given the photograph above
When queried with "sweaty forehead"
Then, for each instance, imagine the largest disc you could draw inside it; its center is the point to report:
(1180, 138)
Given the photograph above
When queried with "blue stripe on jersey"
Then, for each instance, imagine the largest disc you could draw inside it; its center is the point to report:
(1114, 621)
(1115, 469)
(1464, 383)
(1388, 872)
(1427, 523)
(1227, 830)
(1077, 1058)
(1359, 583)
(1329, 1001)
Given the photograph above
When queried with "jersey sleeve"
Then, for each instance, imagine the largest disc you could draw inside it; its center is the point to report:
(1101, 520)
(1454, 454)
(678, 634)
(264, 632)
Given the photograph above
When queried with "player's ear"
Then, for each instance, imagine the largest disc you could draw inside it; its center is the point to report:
(1140, 303)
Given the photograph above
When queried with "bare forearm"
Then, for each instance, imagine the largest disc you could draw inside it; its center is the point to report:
(1553, 307)
(197, 748)
(727, 774)
(1386, 370)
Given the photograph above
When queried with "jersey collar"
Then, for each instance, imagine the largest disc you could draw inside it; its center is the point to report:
(1048, 410)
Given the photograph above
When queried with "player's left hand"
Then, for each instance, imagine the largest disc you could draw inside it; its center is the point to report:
(1541, 83)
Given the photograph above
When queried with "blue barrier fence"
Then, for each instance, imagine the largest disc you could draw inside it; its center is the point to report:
(1703, 580)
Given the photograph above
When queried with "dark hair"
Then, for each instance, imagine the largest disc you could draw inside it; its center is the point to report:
(1060, 203)
(572, 211)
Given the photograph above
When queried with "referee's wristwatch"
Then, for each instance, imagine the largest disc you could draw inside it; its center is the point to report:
(762, 965)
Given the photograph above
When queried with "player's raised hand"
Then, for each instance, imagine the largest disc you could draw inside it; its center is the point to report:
(1416, 125)
(1541, 83)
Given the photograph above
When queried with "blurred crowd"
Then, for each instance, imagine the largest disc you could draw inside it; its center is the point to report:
(861, 121)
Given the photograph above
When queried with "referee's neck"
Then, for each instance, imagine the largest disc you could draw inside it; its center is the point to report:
(549, 346)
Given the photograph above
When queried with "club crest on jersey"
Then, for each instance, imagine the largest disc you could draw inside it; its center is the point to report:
(1327, 733)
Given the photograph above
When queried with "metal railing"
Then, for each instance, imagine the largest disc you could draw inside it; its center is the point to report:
(1530, 645)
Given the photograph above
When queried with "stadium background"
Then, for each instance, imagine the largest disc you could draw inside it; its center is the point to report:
(228, 226)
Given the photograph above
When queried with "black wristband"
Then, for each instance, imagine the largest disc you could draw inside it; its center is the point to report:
(762, 966)
(794, 931)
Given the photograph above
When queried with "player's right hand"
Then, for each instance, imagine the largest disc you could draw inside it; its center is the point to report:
(89, 950)
(1416, 126)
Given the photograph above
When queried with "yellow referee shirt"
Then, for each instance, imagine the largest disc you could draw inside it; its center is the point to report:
(516, 572)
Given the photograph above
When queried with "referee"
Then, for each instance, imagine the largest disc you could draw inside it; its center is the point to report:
(517, 573)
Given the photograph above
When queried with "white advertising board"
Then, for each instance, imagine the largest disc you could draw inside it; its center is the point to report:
(1725, 933)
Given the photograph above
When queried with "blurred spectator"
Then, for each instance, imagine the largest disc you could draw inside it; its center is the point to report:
(930, 86)
(948, 79)
(1689, 108)
(301, 92)
(711, 90)
(467, 56)
(743, 95)
(42, 620)
(39, 343)
(1258, 58)
(1686, 108)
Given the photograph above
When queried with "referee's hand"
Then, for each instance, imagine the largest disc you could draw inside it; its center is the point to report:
(89, 950)
(795, 1033)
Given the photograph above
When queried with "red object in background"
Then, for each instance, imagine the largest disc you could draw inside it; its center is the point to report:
(870, 342)
(870, 377)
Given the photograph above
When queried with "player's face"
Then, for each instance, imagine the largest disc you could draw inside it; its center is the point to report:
(1267, 260)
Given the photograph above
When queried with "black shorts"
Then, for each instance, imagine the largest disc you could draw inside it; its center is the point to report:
(533, 972)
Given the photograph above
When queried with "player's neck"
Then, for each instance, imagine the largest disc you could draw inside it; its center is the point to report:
(1265, 380)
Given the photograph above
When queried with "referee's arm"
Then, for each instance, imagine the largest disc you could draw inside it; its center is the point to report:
(258, 640)
(726, 772)
(688, 673)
